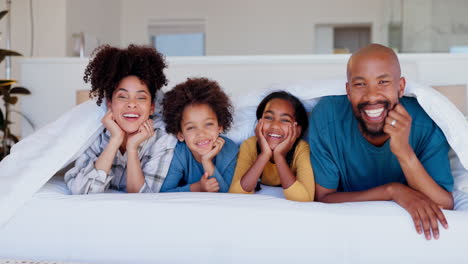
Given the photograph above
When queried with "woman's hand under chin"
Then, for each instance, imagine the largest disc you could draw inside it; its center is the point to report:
(144, 132)
(117, 134)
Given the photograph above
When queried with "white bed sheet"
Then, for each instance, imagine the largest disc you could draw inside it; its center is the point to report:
(222, 228)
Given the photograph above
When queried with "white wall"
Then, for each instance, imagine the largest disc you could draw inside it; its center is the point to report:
(49, 41)
(434, 25)
(246, 27)
(95, 18)
(49, 29)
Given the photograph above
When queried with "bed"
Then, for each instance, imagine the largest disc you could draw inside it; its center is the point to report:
(41, 221)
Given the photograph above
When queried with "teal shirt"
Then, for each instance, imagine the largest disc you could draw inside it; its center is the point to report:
(343, 159)
(185, 170)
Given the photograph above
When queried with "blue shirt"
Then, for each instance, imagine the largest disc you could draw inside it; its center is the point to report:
(343, 159)
(185, 170)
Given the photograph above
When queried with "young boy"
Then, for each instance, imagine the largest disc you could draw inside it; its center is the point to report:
(197, 111)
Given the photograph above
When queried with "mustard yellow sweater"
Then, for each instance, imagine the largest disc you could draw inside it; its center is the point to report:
(302, 190)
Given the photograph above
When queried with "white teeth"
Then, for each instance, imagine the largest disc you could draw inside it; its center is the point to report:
(203, 142)
(374, 112)
(275, 135)
(131, 115)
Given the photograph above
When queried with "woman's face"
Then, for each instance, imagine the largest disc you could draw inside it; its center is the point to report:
(131, 104)
(277, 117)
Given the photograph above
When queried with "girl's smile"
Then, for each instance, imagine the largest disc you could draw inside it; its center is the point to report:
(278, 116)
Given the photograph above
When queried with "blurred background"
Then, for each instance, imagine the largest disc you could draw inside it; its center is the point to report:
(55, 28)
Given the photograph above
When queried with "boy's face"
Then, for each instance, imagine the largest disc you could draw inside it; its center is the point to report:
(200, 129)
(131, 104)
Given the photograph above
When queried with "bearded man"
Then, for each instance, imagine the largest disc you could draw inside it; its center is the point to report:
(376, 145)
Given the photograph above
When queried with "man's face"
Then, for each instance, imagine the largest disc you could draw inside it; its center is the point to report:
(374, 87)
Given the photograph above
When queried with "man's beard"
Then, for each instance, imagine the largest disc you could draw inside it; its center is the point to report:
(364, 128)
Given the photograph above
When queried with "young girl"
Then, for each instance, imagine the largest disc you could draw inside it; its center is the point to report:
(132, 153)
(277, 155)
(197, 111)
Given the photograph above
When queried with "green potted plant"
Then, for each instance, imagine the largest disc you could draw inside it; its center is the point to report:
(8, 93)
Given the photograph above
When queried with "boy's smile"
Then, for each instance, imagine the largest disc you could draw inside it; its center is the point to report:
(200, 129)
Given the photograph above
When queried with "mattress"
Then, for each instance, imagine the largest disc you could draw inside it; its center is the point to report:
(221, 228)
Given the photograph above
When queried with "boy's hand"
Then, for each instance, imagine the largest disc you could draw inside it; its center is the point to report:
(217, 146)
(265, 149)
(208, 185)
(207, 159)
(143, 133)
(117, 134)
(285, 146)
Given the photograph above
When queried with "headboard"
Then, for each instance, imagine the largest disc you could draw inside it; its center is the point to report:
(54, 82)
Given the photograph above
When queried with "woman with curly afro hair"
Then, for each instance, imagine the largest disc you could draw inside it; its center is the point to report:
(133, 151)
(197, 111)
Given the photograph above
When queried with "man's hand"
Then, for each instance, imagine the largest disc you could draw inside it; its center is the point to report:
(398, 126)
(425, 213)
(144, 132)
(117, 134)
(208, 185)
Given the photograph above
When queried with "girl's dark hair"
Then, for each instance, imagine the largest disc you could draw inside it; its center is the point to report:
(196, 91)
(300, 114)
(109, 65)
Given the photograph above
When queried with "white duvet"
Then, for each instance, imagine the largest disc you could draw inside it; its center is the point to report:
(35, 159)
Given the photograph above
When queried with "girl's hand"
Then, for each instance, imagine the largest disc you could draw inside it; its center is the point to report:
(117, 134)
(143, 133)
(291, 136)
(264, 146)
(208, 185)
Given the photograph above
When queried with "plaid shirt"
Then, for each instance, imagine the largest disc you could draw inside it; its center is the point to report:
(155, 156)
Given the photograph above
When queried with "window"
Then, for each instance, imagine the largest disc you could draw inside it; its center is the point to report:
(345, 38)
(350, 39)
(178, 37)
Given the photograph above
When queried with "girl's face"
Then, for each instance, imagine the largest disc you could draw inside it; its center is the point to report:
(131, 104)
(277, 117)
(200, 129)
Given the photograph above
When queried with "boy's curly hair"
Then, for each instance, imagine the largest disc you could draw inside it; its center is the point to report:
(109, 65)
(196, 91)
